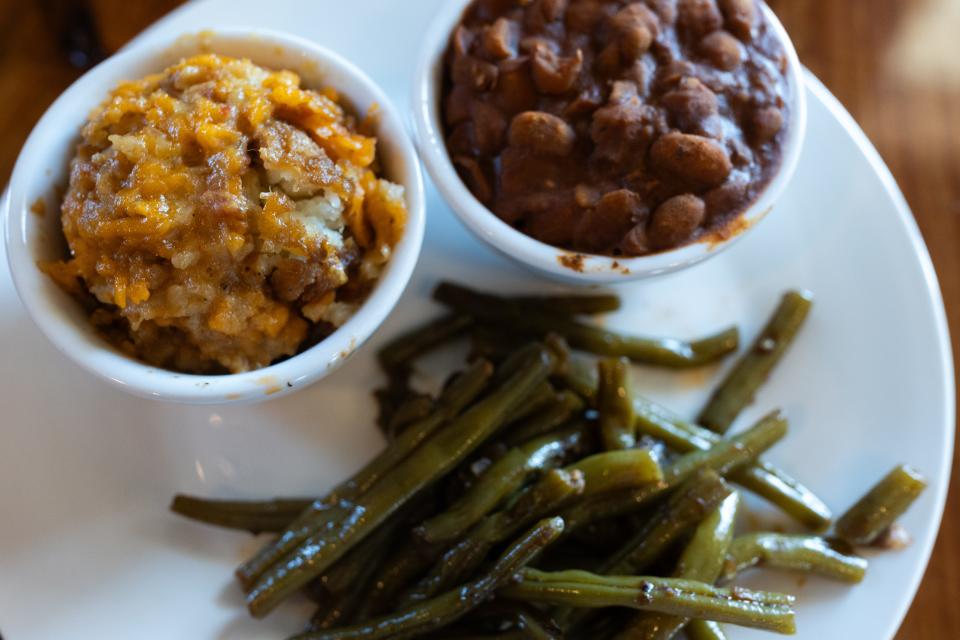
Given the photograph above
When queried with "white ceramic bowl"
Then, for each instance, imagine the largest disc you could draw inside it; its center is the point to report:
(41, 173)
(544, 258)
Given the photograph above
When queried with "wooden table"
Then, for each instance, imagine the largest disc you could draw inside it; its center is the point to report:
(893, 63)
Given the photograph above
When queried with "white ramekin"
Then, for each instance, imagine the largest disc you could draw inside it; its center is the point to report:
(41, 174)
(549, 260)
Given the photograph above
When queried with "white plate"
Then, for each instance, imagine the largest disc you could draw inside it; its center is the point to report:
(87, 549)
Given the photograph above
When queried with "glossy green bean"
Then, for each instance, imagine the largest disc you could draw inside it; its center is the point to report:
(342, 576)
(411, 411)
(761, 478)
(503, 478)
(753, 368)
(725, 456)
(400, 570)
(567, 405)
(880, 508)
(808, 554)
(674, 596)
(405, 348)
(445, 609)
(615, 404)
(542, 397)
(349, 581)
(543, 498)
(614, 470)
(579, 374)
(665, 352)
(685, 509)
(430, 461)
(337, 504)
(704, 630)
(570, 304)
(253, 516)
(702, 559)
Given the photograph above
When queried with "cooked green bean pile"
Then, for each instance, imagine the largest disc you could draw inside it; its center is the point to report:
(537, 488)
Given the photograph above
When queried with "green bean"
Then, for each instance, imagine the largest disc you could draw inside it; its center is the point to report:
(542, 398)
(342, 575)
(674, 596)
(430, 461)
(569, 304)
(704, 630)
(397, 573)
(400, 351)
(493, 343)
(702, 559)
(875, 512)
(533, 629)
(529, 622)
(445, 609)
(665, 352)
(333, 507)
(548, 418)
(615, 404)
(688, 506)
(725, 456)
(613, 470)
(754, 366)
(544, 497)
(408, 412)
(349, 580)
(503, 478)
(762, 478)
(809, 554)
(580, 376)
(253, 516)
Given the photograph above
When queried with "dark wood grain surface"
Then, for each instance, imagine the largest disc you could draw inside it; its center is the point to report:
(895, 64)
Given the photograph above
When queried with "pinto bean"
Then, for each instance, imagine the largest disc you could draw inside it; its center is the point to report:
(584, 15)
(722, 50)
(604, 226)
(542, 133)
(635, 242)
(692, 159)
(765, 124)
(666, 10)
(690, 104)
(515, 91)
(456, 108)
(675, 221)
(699, 17)
(500, 39)
(475, 73)
(542, 13)
(476, 178)
(741, 15)
(553, 74)
(625, 126)
(725, 199)
(489, 126)
(636, 27)
(608, 60)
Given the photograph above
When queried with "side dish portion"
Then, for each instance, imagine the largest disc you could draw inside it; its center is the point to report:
(220, 217)
(539, 487)
(616, 127)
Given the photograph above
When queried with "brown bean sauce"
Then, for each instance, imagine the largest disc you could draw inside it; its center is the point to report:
(615, 127)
